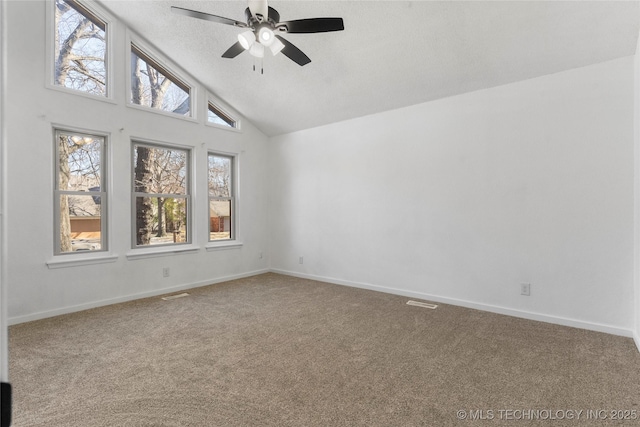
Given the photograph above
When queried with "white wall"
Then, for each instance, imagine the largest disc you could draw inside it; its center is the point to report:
(636, 258)
(463, 199)
(4, 305)
(35, 290)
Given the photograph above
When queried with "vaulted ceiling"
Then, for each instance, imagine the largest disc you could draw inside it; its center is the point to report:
(392, 53)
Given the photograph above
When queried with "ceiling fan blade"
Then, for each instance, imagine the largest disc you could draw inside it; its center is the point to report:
(233, 51)
(259, 7)
(313, 25)
(293, 53)
(207, 17)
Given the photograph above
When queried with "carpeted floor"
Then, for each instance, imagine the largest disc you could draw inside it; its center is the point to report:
(273, 350)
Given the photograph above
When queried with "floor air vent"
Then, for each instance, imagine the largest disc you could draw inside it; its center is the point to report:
(170, 297)
(422, 304)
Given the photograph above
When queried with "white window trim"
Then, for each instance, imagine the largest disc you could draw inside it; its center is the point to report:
(144, 252)
(192, 226)
(50, 27)
(171, 68)
(223, 245)
(227, 111)
(236, 213)
(71, 259)
(100, 258)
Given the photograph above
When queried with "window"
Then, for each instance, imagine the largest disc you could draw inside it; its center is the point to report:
(80, 196)
(154, 87)
(221, 198)
(161, 195)
(80, 46)
(216, 116)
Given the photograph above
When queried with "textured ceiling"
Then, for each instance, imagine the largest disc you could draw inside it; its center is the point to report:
(392, 53)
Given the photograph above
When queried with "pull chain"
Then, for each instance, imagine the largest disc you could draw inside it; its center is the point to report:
(261, 65)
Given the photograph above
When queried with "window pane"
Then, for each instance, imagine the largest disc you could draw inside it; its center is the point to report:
(214, 115)
(160, 170)
(80, 49)
(219, 176)
(162, 173)
(79, 163)
(166, 220)
(80, 228)
(153, 87)
(79, 166)
(219, 219)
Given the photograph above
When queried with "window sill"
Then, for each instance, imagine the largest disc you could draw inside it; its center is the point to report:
(164, 113)
(162, 251)
(236, 129)
(219, 246)
(65, 261)
(62, 89)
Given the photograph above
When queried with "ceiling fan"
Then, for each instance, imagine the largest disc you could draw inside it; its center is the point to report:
(264, 28)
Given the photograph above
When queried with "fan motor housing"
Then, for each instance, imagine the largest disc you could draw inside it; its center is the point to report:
(273, 18)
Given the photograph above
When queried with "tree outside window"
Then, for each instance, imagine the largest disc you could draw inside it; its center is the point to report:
(80, 48)
(221, 197)
(161, 195)
(154, 87)
(80, 195)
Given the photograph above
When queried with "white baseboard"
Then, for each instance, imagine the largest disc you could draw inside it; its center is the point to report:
(478, 306)
(110, 301)
(636, 338)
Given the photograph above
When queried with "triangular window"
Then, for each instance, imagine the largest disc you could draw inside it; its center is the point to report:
(153, 86)
(216, 116)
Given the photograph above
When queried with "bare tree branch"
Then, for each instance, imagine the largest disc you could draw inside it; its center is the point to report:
(62, 62)
(81, 69)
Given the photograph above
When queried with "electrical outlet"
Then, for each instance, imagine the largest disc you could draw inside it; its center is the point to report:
(166, 272)
(301, 260)
(525, 289)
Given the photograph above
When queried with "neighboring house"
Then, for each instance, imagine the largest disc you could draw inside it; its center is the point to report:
(219, 216)
(84, 217)
(85, 227)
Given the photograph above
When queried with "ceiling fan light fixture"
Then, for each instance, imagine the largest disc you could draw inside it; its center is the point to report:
(257, 50)
(247, 39)
(260, 29)
(276, 46)
(265, 36)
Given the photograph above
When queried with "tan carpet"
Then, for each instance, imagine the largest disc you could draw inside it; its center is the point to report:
(273, 350)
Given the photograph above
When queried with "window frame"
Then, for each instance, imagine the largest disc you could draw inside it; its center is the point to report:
(224, 114)
(103, 193)
(233, 198)
(188, 196)
(98, 13)
(171, 71)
